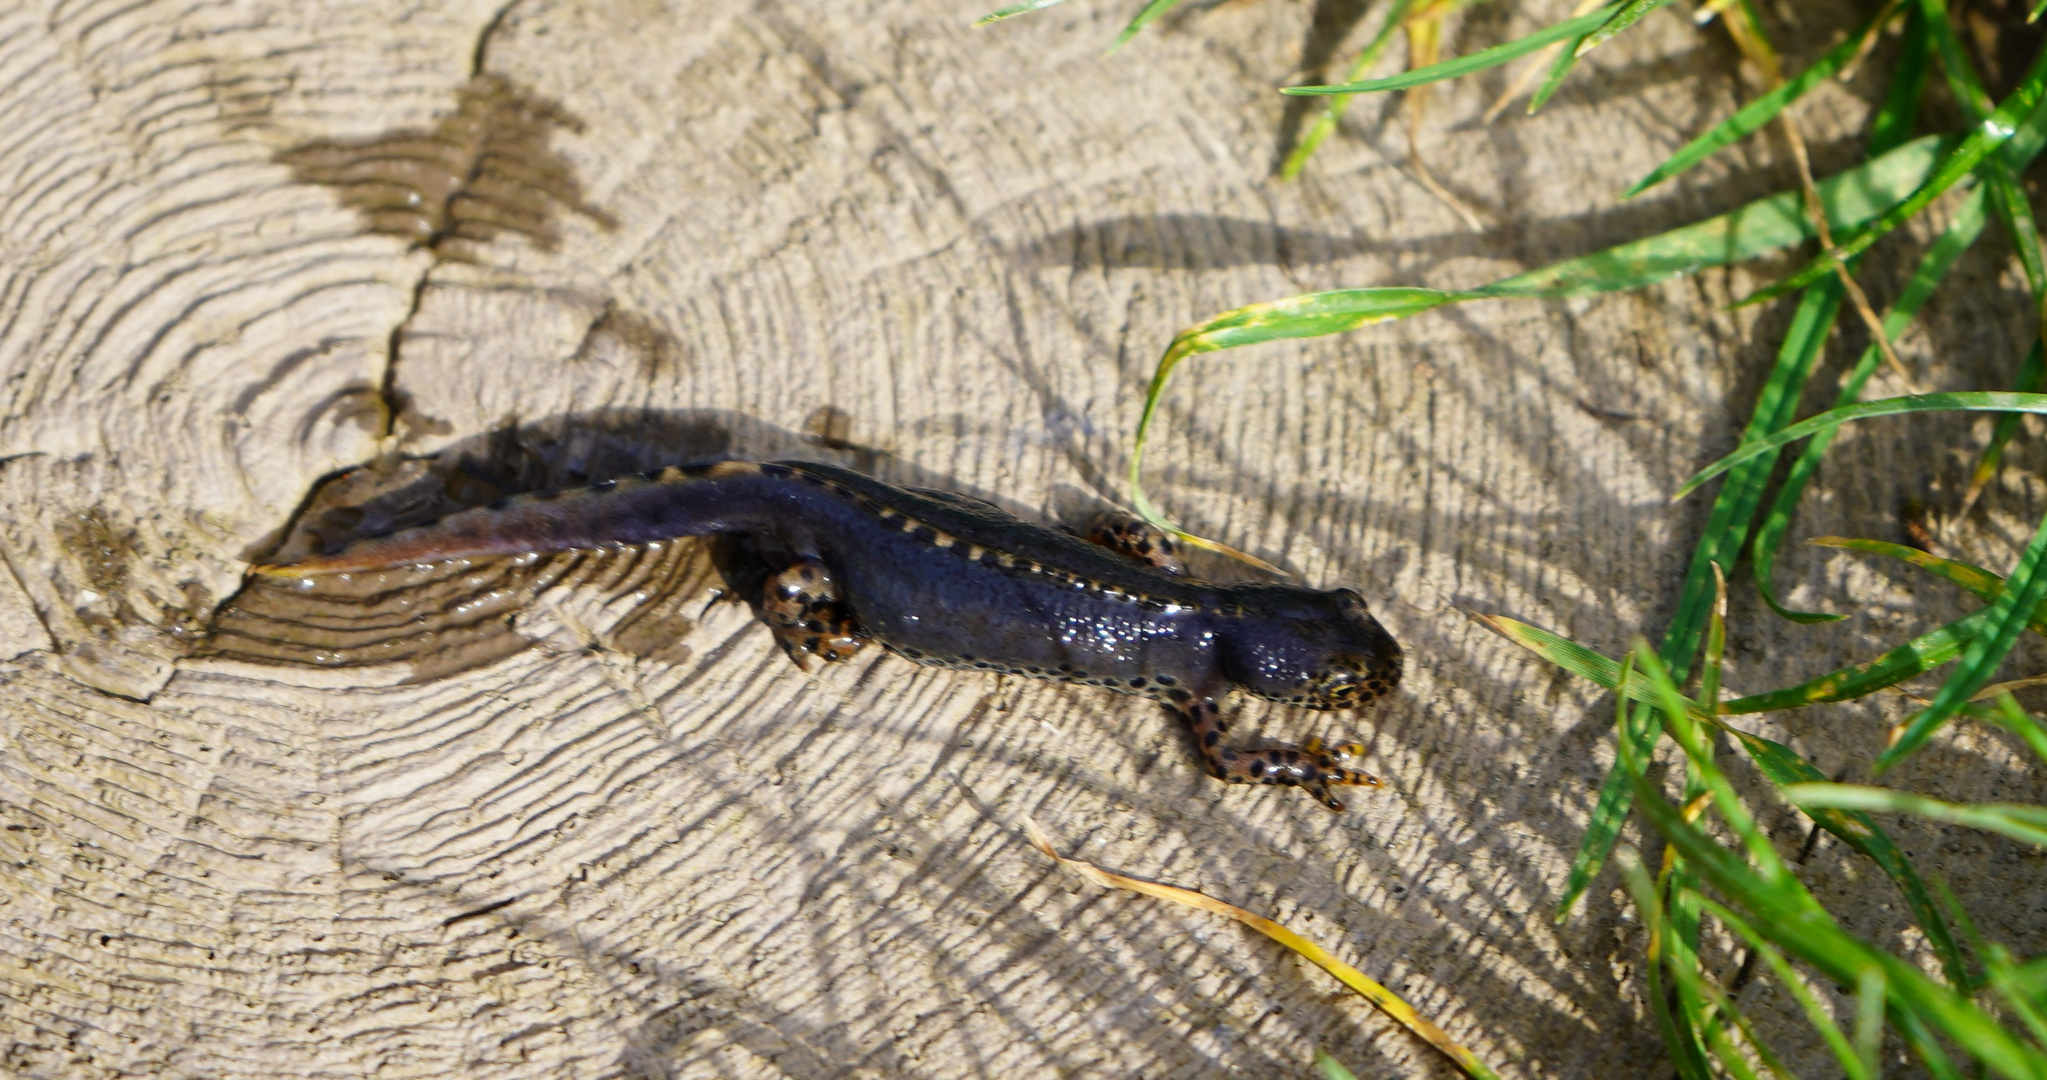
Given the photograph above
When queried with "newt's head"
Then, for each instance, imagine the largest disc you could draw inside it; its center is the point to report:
(1321, 650)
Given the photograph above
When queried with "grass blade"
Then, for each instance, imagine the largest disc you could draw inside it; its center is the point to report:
(1332, 110)
(1563, 652)
(1629, 14)
(1151, 13)
(1309, 315)
(1915, 657)
(1783, 767)
(1013, 10)
(1851, 198)
(1764, 225)
(2014, 211)
(1789, 979)
(2020, 821)
(1383, 999)
(1892, 124)
(2009, 716)
(1791, 919)
(1331, 1068)
(1689, 1060)
(1780, 764)
(1465, 65)
(2001, 169)
(1961, 232)
(1734, 508)
(1962, 401)
(1751, 117)
(1558, 69)
(2032, 373)
(1983, 583)
(1982, 141)
(2009, 613)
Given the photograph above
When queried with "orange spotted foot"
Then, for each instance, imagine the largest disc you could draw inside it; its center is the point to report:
(1137, 538)
(801, 605)
(1312, 767)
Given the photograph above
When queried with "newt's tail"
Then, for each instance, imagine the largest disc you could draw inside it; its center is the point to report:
(657, 505)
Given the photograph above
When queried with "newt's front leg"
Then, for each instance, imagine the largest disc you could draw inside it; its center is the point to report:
(1129, 535)
(802, 606)
(1309, 767)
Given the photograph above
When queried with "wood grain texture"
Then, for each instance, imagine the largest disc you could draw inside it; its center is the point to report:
(562, 819)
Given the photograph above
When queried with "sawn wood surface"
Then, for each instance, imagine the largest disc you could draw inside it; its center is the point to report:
(567, 818)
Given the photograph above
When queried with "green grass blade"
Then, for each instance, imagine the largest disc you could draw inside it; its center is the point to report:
(2001, 169)
(1665, 952)
(1693, 1007)
(1716, 645)
(2015, 211)
(1725, 1051)
(1563, 652)
(1765, 225)
(1791, 919)
(1151, 13)
(1751, 117)
(2022, 593)
(1958, 237)
(1629, 14)
(1554, 78)
(1790, 980)
(1332, 110)
(1331, 1068)
(2032, 975)
(1013, 10)
(1888, 130)
(1637, 730)
(2004, 977)
(1920, 1038)
(1922, 654)
(1783, 767)
(1851, 198)
(1309, 315)
(1465, 65)
(1686, 731)
(1983, 583)
(1984, 139)
(2009, 716)
(2020, 821)
(2017, 215)
(1779, 763)
(2026, 142)
(1961, 232)
(1915, 657)
(2032, 373)
(1892, 124)
(1734, 508)
(1964, 401)
(1962, 79)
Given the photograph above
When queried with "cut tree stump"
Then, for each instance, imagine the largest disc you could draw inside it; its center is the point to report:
(569, 818)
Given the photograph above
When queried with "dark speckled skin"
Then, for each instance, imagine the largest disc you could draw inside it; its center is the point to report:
(944, 579)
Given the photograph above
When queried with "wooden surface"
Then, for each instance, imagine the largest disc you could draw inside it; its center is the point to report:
(561, 819)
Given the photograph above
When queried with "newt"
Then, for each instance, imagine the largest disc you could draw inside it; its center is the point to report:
(947, 580)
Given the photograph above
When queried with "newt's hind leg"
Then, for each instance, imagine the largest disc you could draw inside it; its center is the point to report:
(801, 605)
(1140, 539)
(1310, 767)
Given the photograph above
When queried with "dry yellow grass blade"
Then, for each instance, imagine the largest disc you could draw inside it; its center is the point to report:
(1384, 1000)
